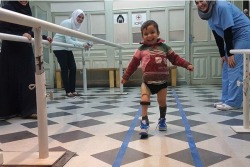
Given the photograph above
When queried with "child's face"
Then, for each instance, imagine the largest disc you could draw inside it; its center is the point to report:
(150, 35)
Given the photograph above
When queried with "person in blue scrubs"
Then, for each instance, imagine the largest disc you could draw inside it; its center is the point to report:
(231, 29)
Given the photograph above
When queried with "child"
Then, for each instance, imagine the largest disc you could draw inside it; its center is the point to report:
(153, 55)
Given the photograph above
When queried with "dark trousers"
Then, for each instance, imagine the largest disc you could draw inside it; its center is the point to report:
(67, 64)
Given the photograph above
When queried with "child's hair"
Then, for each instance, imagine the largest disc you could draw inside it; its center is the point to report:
(148, 23)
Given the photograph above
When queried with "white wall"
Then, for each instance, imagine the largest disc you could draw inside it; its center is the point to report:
(70, 6)
(135, 4)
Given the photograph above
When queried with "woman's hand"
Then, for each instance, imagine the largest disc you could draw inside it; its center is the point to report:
(27, 35)
(86, 46)
(223, 59)
(231, 61)
(49, 39)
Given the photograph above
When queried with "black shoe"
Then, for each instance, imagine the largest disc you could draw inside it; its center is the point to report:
(32, 116)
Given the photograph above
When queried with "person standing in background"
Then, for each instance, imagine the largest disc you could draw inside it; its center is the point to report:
(17, 68)
(65, 56)
(245, 11)
(231, 30)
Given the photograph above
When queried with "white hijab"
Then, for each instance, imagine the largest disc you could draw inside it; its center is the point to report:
(75, 24)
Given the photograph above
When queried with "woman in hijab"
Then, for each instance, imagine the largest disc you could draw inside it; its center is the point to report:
(65, 56)
(17, 68)
(231, 29)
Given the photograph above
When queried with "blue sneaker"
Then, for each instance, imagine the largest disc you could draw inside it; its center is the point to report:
(162, 124)
(144, 128)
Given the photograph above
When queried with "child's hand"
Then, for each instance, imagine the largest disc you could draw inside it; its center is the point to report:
(123, 81)
(190, 67)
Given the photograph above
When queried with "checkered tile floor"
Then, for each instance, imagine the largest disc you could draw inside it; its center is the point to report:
(100, 131)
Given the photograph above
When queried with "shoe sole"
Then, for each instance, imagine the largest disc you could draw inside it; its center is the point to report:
(31, 117)
(215, 105)
(70, 97)
(162, 129)
(78, 95)
(222, 109)
(226, 109)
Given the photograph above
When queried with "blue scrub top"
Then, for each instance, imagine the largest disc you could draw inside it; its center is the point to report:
(226, 15)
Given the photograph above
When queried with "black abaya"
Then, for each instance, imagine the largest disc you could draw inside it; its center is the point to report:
(17, 69)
